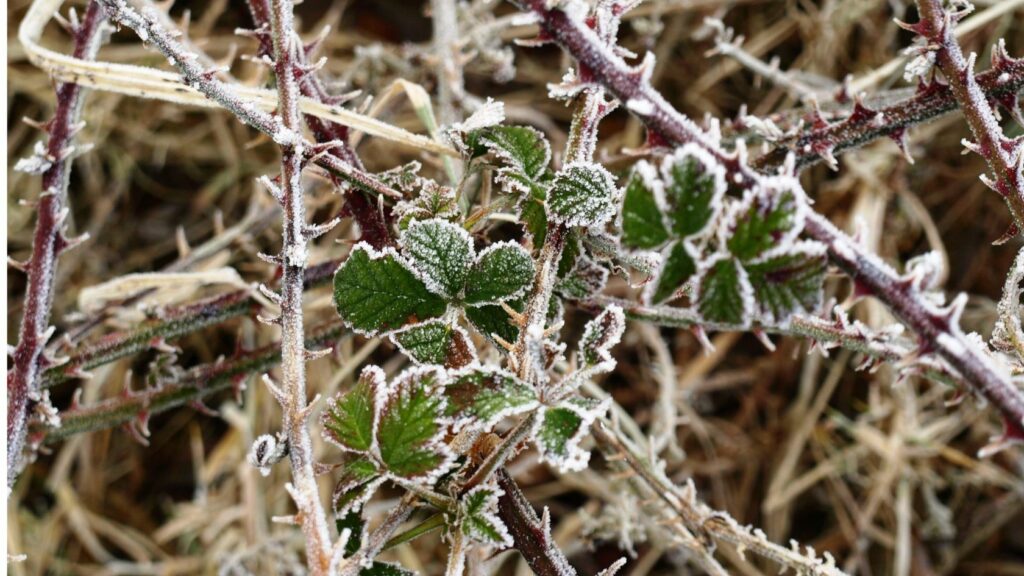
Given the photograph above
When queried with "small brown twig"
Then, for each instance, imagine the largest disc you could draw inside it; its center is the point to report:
(171, 323)
(193, 386)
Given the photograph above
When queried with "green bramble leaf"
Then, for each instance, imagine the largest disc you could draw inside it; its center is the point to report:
(437, 342)
(766, 218)
(487, 396)
(586, 278)
(349, 420)
(411, 427)
(582, 194)
(502, 272)
(694, 185)
(571, 252)
(535, 218)
(358, 482)
(642, 223)
(676, 204)
(442, 252)
(492, 321)
(560, 429)
(677, 267)
(789, 281)
(407, 426)
(724, 293)
(524, 151)
(478, 517)
(376, 291)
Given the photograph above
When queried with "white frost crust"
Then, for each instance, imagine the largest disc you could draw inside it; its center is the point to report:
(607, 339)
(647, 296)
(768, 192)
(927, 270)
(490, 113)
(365, 493)
(37, 163)
(266, 451)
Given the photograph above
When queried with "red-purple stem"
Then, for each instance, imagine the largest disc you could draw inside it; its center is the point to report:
(1002, 83)
(531, 535)
(48, 242)
(936, 26)
(937, 329)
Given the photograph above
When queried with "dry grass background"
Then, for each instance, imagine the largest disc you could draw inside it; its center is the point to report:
(879, 472)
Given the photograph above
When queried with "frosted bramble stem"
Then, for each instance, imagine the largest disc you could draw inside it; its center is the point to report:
(292, 260)
(47, 244)
(938, 329)
(864, 125)
(1002, 154)
(373, 224)
(134, 408)
(147, 26)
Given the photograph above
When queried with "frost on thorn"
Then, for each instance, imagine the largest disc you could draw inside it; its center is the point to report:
(39, 162)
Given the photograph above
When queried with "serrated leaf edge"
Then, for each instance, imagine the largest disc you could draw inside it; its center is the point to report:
(771, 190)
(578, 221)
(810, 248)
(409, 377)
(577, 458)
(448, 321)
(458, 424)
(490, 505)
(375, 255)
(746, 290)
(711, 166)
(432, 285)
(494, 248)
(377, 382)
